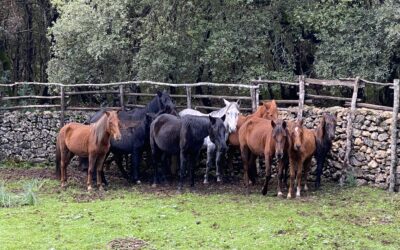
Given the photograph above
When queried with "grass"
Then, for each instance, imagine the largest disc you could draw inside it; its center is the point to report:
(349, 218)
(27, 197)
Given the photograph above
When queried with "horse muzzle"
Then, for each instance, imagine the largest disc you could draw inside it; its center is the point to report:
(279, 156)
(117, 137)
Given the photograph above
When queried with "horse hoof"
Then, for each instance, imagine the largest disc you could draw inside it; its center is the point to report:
(101, 188)
(297, 196)
(289, 196)
(205, 182)
(264, 191)
(305, 188)
(280, 194)
(138, 182)
(219, 180)
(89, 188)
(154, 185)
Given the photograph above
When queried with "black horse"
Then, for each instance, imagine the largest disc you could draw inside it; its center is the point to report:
(135, 127)
(325, 133)
(184, 136)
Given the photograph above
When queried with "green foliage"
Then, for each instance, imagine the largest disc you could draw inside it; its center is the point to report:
(91, 42)
(27, 197)
(352, 38)
(224, 41)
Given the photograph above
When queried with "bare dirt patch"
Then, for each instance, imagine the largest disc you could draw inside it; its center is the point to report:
(126, 243)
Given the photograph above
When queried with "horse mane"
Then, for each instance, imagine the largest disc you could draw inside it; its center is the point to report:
(99, 128)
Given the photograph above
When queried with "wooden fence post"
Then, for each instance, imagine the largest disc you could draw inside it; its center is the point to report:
(62, 104)
(393, 146)
(349, 133)
(121, 96)
(301, 97)
(189, 97)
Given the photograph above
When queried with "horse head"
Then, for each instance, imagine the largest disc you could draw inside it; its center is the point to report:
(268, 110)
(231, 115)
(217, 132)
(280, 135)
(113, 124)
(165, 101)
(296, 134)
(328, 125)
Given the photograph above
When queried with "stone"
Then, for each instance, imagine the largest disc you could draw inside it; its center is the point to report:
(361, 182)
(374, 136)
(366, 133)
(380, 154)
(372, 128)
(373, 164)
(383, 137)
(358, 141)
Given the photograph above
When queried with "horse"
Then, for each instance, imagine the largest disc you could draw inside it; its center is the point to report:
(267, 110)
(185, 136)
(135, 138)
(324, 135)
(261, 137)
(231, 112)
(301, 149)
(92, 141)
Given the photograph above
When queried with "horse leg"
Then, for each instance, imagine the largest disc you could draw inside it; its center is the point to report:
(66, 157)
(183, 163)
(136, 155)
(292, 170)
(92, 163)
(280, 177)
(298, 177)
(119, 160)
(218, 164)
(99, 170)
(267, 173)
(307, 168)
(193, 165)
(245, 153)
(231, 151)
(210, 159)
(320, 167)
(252, 169)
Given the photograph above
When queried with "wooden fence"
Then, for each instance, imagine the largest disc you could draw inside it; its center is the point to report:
(251, 94)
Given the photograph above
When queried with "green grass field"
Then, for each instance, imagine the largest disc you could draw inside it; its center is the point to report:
(212, 217)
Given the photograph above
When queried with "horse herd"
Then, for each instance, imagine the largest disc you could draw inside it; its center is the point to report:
(159, 129)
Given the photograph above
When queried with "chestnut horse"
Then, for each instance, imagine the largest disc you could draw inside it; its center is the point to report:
(302, 147)
(92, 141)
(258, 137)
(267, 110)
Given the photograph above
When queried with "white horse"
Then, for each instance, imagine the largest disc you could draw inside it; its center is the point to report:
(231, 112)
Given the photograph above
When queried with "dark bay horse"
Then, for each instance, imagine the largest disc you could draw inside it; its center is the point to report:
(91, 141)
(184, 137)
(135, 132)
(261, 137)
(324, 135)
(302, 147)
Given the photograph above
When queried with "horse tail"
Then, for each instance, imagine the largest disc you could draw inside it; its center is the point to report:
(58, 159)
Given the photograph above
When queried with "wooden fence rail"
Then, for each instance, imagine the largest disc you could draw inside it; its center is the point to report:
(253, 88)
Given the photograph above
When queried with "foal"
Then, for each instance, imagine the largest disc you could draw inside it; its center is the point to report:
(92, 141)
(302, 147)
(324, 134)
(259, 137)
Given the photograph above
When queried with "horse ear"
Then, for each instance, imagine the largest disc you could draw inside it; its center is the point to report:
(212, 119)
(238, 102)
(223, 117)
(273, 124)
(159, 93)
(226, 102)
(301, 122)
(284, 125)
(107, 113)
(267, 105)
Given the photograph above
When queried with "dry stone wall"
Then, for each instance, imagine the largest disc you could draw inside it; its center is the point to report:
(30, 136)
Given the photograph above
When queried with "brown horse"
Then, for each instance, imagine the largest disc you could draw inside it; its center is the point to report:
(302, 147)
(92, 141)
(258, 137)
(268, 110)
